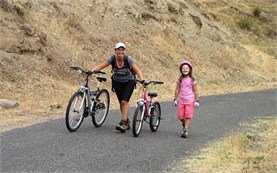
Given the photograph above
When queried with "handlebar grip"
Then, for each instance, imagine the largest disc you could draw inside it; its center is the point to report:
(147, 83)
(99, 72)
(157, 82)
(102, 72)
(90, 72)
(74, 68)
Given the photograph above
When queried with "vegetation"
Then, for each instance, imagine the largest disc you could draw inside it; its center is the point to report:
(257, 12)
(246, 23)
(254, 150)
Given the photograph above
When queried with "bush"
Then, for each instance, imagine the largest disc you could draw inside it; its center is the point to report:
(257, 12)
(246, 23)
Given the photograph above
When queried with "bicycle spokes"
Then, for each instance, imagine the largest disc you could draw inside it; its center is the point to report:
(101, 108)
(75, 111)
(138, 120)
(155, 117)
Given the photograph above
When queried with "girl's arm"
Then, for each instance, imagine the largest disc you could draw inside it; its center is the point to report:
(101, 66)
(177, 90)
(195, 90)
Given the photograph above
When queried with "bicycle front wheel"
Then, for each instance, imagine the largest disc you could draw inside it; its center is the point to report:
(155, 118)
(75, 111)
(101, 107)
(138, 120)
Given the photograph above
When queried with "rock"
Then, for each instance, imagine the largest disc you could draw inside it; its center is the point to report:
(56, 105)
(196, 20)
(8, 104)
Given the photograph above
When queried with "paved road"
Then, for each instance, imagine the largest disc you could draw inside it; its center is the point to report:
(49, 147)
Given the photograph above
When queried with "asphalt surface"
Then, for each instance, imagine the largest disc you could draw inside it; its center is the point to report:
(50, 147)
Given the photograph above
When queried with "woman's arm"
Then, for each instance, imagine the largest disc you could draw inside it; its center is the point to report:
(137, 71)
(101, 66)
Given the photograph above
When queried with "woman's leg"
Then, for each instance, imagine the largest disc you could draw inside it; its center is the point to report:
(124, 93)
(125, 110)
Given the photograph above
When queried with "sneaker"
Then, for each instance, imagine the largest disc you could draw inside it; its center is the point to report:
(184, 134)
(122, 126)
(128, 124)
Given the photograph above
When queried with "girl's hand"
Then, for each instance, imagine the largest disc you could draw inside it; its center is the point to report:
(175, 102)
(196, 104)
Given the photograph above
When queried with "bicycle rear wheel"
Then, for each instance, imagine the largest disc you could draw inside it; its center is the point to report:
(75, 111)
(138, 120)
(101, 108)
(155, 118)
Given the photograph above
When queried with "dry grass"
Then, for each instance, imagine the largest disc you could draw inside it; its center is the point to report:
(263, 30)
(251, 151)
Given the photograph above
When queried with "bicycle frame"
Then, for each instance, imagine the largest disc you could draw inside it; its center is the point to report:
(88, 93)
(145, 100)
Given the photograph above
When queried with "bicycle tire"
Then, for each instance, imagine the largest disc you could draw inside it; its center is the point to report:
(101, 107)
(155, 118)
(75, 111)
(138, 120)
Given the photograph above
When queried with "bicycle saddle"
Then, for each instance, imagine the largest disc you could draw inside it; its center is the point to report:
(101, 79)
(152, 94)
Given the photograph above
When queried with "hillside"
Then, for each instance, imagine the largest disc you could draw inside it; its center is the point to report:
(40, 40)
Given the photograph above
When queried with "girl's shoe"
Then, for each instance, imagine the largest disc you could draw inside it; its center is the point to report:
(184, 134)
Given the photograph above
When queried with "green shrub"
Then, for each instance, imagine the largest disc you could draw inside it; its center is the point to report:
(246, 23)
(257, 12)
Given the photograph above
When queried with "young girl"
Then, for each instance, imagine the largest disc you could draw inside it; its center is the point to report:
(186, 96)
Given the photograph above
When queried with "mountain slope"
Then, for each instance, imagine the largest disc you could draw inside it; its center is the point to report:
(41, 39)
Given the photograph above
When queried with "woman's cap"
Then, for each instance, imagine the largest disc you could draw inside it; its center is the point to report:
(118, 45)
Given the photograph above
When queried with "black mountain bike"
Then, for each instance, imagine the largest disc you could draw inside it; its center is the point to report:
(88, 102)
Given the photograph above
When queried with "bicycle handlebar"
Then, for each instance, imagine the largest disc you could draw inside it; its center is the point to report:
(145, 83)
(88, 72)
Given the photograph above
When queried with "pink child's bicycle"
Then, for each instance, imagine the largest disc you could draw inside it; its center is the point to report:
(146, 109)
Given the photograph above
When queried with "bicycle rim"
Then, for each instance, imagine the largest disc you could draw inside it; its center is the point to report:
(138, 120)
(75, 111)
(101, 108)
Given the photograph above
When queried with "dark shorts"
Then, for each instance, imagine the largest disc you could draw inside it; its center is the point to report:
(123, 90)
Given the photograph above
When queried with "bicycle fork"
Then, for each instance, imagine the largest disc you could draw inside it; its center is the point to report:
(142, 104)
(88, 101)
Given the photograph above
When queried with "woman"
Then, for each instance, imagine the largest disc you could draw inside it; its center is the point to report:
(123, 81)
